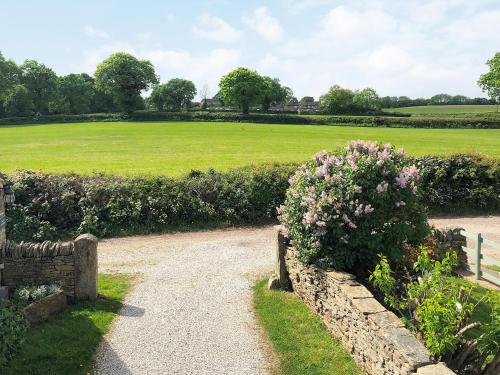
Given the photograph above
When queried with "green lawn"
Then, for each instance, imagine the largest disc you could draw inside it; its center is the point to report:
(65, 343)
(444, 109)
(301, 342)
(173, 148)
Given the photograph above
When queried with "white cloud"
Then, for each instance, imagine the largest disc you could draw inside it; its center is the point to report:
(343, 22)
(386, 59)
(95, 33)
(483, 26)
(262, 22)
(216, 29)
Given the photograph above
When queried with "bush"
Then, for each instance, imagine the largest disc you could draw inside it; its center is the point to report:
(387, 120)
(439, 310)
(343, 210)
(12, 331)
(62, 206)
(461, 183)
(55, 206)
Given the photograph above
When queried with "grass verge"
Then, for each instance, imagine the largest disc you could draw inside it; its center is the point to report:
(65, 344)
(301, 341)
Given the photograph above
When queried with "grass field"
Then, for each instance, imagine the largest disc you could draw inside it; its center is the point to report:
(173, 148)
(444, 109)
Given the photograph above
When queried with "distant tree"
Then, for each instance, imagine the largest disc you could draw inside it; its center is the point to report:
(441, 99)
(244, 88)
(490, 82)
(41, 82)
(18, 102)
(124, 77)
(204, 93)
(337, 101)
(75, 92)
(9, 76)
(366, 100)
(276, 93)
(174, 95)
(307, 99)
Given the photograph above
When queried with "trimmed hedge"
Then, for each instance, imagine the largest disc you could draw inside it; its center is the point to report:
(491, 122)
(62, 206)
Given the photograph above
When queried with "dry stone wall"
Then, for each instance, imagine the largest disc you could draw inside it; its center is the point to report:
(375, 337)
(71, 265)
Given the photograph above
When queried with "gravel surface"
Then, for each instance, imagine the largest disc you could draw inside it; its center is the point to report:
(192, 312)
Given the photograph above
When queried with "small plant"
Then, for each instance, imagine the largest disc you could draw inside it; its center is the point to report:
(439, 312)
(35, 293)
(342, 209)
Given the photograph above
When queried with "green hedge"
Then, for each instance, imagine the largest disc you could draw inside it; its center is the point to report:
(62, 206)
(478, 121)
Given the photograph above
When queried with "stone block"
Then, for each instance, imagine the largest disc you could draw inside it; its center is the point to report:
(41, 310)
(355, 291)
(438, 369)
(408, 346)
(368, 305)
(339, 276)
(385, 320)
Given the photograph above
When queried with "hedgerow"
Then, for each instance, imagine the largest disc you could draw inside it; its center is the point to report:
(62, 206)
(476, 121)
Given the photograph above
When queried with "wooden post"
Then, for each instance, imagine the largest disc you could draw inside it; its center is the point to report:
(478, 256)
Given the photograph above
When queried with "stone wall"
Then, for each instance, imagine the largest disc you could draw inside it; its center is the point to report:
(72, 265)
(2, 216)
(375, 337)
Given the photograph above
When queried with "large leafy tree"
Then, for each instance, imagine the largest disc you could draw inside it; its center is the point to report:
(9, 76)
(276, 93)
(366, 100)
(18, 102)
(77, 91)
(337, 101)
(174, 95)
(124, 77)
(243, 87)
(306, 99)
(41, 82)
(490, 82)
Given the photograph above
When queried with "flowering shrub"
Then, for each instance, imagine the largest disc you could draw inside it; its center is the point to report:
(344, 209)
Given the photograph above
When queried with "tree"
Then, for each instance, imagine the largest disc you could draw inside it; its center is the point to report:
(366, 100)
(276, 93)
(18, 102)
(490, 82)
(9, 76)
(441, 99)
(204, 93)
(77, 91)
(124, 77)
(41, 82)
(337, 101)
(244, 88)
(307, 99)
(174, 95)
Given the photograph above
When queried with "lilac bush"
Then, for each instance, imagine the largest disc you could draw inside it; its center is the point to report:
(344, 209)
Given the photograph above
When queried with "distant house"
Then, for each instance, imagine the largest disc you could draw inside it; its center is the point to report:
(292, 105)
(309, 106)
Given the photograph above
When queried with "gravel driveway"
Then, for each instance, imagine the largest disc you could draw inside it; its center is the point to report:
(192, 313)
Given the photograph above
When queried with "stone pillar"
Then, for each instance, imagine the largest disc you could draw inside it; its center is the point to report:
(86, 267)
(280, 279)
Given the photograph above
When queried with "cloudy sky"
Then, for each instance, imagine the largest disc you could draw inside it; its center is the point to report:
(412, 47)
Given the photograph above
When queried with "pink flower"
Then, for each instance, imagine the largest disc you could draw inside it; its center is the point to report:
(382, 187)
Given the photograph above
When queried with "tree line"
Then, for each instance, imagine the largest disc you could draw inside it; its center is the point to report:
(120, 80)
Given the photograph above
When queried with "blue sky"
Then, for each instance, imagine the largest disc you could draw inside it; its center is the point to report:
(414, 48)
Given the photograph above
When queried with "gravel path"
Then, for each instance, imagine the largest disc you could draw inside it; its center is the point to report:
(191, 314)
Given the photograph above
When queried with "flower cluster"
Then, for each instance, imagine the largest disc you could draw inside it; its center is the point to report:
(343, 208)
